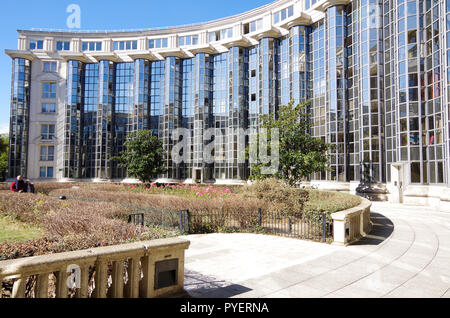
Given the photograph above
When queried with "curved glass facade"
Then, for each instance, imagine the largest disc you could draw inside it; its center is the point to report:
(377, 74)
(19, 121)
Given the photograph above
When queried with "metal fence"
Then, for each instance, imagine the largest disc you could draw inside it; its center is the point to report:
(315, 227)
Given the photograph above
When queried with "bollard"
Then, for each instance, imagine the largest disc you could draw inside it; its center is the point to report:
(260, 217)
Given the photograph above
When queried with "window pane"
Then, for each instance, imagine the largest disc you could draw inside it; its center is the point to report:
(50, 172)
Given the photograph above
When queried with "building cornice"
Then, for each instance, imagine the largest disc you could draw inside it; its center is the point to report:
(175, 52)
(324, 5)
(105, 56)
(146, 55)
(240, 24)
(76, 57)
(20, 54)
(208, 49)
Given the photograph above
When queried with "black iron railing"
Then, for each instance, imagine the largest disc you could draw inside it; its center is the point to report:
(315, 227)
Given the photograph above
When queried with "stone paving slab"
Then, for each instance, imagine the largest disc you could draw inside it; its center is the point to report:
(406, 255)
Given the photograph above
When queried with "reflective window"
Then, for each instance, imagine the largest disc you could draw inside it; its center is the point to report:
(36, 45)
(220, 35)
(310, 3)
(49, 90)
(253, 26)
(283, 14)
(47, 153)
(91, 46)
(188, 40)
(63, 46)
(125, 45)
(50, 66)
(47, 131)
(158, 43)
(46, 172)
(49, 108)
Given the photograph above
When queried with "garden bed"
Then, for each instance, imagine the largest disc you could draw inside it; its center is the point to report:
(97, 214)
(69, 225)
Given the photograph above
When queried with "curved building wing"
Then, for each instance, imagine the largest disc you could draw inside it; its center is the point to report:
(375, 71)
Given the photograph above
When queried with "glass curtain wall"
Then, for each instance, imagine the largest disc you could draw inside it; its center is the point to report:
(105, 118)
(203, 119)
(353, 90)
(427, 166)
(284, 74)
(317, 67)
(89, 121)
(374, 71)
(157, 98)
(188, 114)
(390, 85)
(238, 111)
(19, 118)
(336, 109)
(123, 117)
(73, 119)
(268, 76)
(141, 108)
(298, 64)
(371, 92)
(445, 9)
(172, 112)
(220, 113)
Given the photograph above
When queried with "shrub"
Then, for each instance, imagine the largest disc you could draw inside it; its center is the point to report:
(328, 202)
(27, 208)
(280, 198)
(164, 202)
(45, 188)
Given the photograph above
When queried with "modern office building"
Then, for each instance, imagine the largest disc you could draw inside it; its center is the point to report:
(376, 72)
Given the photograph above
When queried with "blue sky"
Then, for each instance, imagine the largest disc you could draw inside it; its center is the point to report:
(101, 15)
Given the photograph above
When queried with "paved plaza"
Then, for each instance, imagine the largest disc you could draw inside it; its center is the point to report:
(406, 255)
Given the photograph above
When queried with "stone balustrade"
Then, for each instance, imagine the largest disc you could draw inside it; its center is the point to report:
(137, 270)
(353, 224)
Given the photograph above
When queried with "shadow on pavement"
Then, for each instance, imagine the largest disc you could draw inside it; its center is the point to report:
(381, 231)
(219, 292)
(200, 286)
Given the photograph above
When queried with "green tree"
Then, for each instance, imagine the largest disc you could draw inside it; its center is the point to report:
(4, 145)
(300, 154)
(143, 156)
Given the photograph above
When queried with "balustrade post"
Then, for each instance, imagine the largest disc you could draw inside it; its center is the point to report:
(117, 280)
(19, 288)
(148, 282)
(62, 289)
(134, 275)
(101, 276)
(42, 286)
(83, 291)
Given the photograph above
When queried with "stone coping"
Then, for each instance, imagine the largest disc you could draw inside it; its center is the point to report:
(51, 261)
(343, 215)
(352, 225)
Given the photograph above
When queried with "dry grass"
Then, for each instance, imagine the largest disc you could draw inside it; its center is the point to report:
(164, 202)
(69, 226)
